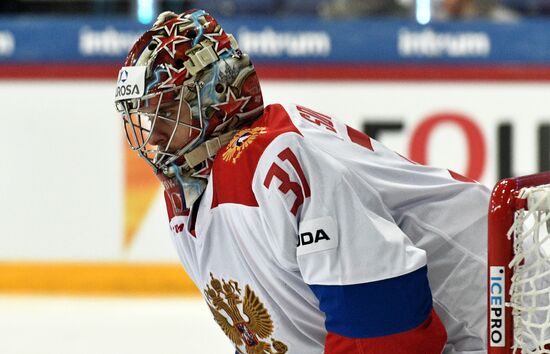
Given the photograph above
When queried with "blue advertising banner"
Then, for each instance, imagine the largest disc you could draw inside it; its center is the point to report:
(292, 40)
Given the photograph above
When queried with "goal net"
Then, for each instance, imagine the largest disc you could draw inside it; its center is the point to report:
(519, 266)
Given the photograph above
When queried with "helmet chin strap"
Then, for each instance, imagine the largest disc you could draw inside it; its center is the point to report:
(208, 149)
(193, 187)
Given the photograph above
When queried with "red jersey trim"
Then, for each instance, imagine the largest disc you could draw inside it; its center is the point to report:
(359, 138)
(460, 177)
(235, 164)
(428, 338)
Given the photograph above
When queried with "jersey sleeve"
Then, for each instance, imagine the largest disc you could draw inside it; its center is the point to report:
(328, 223)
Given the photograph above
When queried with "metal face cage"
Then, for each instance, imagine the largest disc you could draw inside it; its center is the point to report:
(166, 113)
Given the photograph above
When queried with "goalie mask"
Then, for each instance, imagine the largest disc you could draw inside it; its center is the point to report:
(184, 89)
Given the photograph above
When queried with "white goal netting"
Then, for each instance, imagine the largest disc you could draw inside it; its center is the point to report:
(530, 287)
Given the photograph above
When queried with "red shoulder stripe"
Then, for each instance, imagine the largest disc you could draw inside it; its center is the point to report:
(359, 138)
(235, 164)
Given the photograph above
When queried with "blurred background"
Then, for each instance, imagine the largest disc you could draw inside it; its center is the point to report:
(86, 262)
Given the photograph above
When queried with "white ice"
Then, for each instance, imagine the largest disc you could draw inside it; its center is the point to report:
(75, 325)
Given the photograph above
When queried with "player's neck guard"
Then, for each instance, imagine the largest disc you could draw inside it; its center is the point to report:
(191, 188)
(192, 175)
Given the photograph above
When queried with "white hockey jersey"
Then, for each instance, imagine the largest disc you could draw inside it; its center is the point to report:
(313, 238)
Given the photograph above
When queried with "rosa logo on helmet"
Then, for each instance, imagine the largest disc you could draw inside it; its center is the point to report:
(131, 83)
(123, 76)
(127, 90)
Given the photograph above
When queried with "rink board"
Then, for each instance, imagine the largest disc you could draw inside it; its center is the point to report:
(83, 215)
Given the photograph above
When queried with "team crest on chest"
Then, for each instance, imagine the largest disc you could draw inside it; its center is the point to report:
(250, 336)
(240, 142)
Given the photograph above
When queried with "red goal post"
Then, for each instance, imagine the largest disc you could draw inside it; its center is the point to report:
(518, 320)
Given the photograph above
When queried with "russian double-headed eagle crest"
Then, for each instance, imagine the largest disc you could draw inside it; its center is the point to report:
(241, 141)
(251, 336)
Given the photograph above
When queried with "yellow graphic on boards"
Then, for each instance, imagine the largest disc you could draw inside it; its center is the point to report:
(140, 188)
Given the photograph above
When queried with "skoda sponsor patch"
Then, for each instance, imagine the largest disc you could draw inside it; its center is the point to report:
(317, 235)
(130, 82)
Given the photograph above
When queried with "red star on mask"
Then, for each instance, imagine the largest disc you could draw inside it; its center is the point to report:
(172, 38)
(169, 25)
(174, 76)
(221, 40)
(232, 106)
